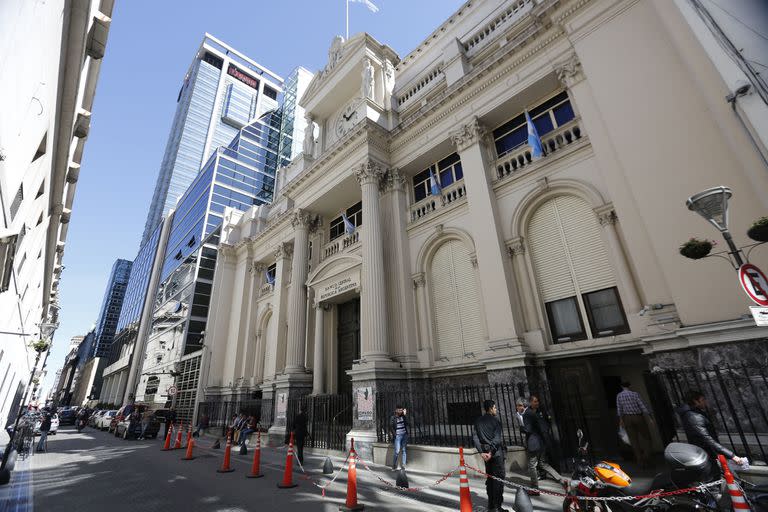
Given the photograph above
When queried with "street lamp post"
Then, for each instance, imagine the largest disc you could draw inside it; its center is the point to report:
(43, 345)
(712, 204)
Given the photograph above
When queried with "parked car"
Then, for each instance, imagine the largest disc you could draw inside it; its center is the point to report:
(67, 416)
(103, 421)
(94, 417)
(126, 430)
(121, 414)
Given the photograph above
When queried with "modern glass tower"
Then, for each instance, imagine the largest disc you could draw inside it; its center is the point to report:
(222, 92)
(110, 308)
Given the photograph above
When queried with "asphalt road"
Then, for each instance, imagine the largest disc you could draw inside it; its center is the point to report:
(95, 471)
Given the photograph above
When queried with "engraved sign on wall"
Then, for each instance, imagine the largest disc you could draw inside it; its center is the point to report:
(346, 283)
(282, 405)
(365, 403)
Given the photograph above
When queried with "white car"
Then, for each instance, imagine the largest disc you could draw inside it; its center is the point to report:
(54, 424)
(103, 421)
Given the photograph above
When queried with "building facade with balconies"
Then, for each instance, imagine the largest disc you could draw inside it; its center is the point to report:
(416, 242)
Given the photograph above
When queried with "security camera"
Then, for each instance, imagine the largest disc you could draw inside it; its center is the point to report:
(742, 88)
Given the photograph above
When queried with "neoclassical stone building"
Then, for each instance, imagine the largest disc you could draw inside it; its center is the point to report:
(516, 269)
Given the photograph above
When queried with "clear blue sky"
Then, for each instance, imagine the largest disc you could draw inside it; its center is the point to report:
(150, 47)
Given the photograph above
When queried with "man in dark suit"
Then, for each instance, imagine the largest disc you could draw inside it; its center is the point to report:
(538, 442)
(489, 442)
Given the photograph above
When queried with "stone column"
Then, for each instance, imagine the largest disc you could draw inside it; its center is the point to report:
(297, 296)
(516, 251)
(318, 368)
(425, 333)
(497, 284)
(373, 310)
(606, 215)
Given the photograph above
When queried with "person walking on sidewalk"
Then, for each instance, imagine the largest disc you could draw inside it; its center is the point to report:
(398, 429)
(632, 411)
(700, 431)
(300, 432)
(146, 419)
(45, 427)
(538, 441)
(489, 443)
(202, 426)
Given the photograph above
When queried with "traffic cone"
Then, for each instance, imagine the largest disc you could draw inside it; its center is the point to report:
(190, 446)
(402, 479)
(465, 503)
(328, 466)
(225, 467)
(255, 469)
(351, 503)
(177, 445)
(167, 445)
(738, 500)
(287, 482)
(189, 434)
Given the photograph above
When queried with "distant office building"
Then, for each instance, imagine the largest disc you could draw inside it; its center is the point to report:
(223, 91)
(239, 175)
(72, 372)
(293, 122)
(110, 308)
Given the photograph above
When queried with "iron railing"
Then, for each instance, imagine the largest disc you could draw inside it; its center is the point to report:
(445, 416)
(329, 418)
(737, 397)
(220, 413)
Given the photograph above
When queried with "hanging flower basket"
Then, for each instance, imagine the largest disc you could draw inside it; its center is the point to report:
(40, 346)
(759, 230)
(696, 249)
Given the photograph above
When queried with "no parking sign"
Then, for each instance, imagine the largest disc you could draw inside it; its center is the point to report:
(754, 283)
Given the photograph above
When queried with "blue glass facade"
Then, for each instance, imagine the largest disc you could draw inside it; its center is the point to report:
(110, 308)
(222, 92)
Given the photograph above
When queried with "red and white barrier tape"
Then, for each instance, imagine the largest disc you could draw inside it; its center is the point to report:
(654, 494)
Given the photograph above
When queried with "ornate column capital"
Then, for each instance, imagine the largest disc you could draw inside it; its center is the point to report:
(393, 180)
(257, 267)
(516, 247)
(606, 215)
(301, 219)
(284, 250)
(570, 71)
(227, 252)
(369, 173)
(471, 133)
(419, 280)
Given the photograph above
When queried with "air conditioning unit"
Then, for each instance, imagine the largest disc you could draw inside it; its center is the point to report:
(7, 254)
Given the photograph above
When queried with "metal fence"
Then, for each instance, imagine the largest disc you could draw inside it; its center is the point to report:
(220, 413)
(444, 416)
(329, 418)
(737, 397)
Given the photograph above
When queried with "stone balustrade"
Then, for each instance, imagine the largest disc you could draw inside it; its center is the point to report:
(266, 289)
(562, 137)
(340, 244)
(514, 12)
(423, 83)
(450, 196)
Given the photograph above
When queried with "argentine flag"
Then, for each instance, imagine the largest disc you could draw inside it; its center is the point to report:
(537, 151)
(270, 278)
(434, 184)
(348, 226)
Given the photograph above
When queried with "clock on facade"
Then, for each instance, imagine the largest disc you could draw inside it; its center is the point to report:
(346, 120)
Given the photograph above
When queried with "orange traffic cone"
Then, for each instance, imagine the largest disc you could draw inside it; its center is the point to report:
(738, 500)
(255, 469)
(177, 445)
(190, 446)
(225, 467)
(189, 434)
(287, 482)
(465, 499)
(167, 445)
(351, 503)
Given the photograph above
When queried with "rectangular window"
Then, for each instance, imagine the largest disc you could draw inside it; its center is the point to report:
(213, 60)
(565, 320)
(17, 199)
(354, 214)
(270, 92)
(605, 313)
(449, 171)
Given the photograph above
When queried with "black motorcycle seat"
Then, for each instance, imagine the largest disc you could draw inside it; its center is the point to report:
(660, 481)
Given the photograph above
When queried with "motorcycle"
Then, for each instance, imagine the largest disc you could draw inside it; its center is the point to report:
(81, 424)
(687, 466)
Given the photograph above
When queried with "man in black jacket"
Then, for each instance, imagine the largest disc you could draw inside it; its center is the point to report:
(700, 431)
(538, 441)
(300, 431)
(398, 429)
(489, 442)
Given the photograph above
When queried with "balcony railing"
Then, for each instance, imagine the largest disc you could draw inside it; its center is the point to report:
(341, 244)
(514, 12)
(266, 289)
(451, 195)
(556, 140)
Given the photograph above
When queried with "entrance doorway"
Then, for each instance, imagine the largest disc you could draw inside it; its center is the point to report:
(348, 334)
(584, 393)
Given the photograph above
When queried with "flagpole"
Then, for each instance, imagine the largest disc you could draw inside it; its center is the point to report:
(347, 19)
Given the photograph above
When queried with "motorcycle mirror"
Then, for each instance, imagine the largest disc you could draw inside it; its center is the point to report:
(579, 434)
(523, 501)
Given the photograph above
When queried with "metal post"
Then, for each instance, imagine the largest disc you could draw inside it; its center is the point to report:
(734, 251)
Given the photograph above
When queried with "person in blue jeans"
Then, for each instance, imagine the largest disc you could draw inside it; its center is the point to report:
(398, 429)
(45, 427)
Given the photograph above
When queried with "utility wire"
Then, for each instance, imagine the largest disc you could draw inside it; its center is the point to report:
(731, 15)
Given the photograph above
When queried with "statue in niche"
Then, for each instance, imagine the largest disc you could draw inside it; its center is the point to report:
(309, 137)
(389, 82)
(368, 81)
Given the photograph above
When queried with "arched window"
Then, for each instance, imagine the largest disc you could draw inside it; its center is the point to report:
(456, 308)
(573, 271)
